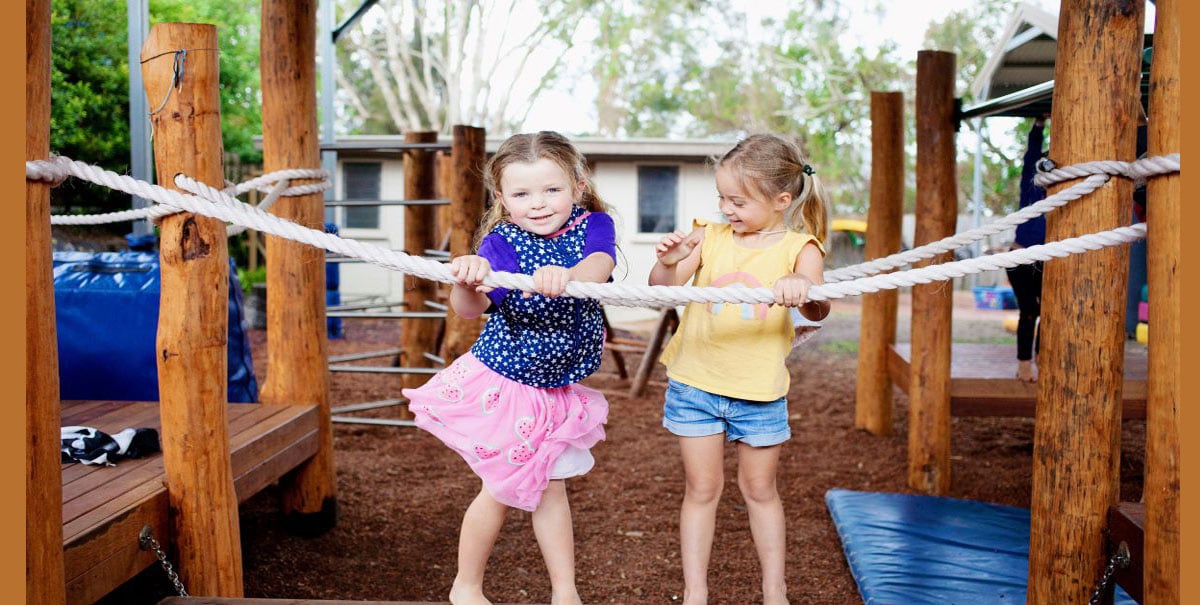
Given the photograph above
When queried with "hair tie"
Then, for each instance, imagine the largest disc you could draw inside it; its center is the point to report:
(808, 169)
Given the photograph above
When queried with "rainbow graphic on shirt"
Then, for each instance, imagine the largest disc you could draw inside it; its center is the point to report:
(749, 311)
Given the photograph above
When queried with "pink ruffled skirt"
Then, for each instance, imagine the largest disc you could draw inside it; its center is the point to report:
(515, 437)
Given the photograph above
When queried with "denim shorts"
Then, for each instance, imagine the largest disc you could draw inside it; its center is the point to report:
(691, 412)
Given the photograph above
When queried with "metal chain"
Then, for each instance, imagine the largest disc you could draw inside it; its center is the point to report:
(147, 542)
(1118, 560)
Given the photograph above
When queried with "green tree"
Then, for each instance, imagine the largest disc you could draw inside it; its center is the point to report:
(90, 85)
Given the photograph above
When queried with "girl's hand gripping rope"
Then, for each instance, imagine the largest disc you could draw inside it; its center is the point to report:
(792, 290)
(470, 271)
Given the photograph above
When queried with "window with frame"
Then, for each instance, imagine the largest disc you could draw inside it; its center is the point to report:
(658, 196)
(362, 183)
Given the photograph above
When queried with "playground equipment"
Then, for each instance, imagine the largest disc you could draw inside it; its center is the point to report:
(1084, 375)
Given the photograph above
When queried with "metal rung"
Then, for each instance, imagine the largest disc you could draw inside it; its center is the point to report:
(440, 253)
(433, 304)
(383, 370)
(361, 306)
(434, 358)
(388, 314)
(369, 405)
(378, 421)
(381, 146)
(351, 259)
(356, 203)
(364, 355)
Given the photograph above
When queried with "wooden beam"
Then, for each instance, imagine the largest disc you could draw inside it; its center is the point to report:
(1077, 435)
(466, 208)
(44, 580)
(297, 372)
(193, 311)
(417, 335)
(873, 395)
(1164, 241)
(937, 212)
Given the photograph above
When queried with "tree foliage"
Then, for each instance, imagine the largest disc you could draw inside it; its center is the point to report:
(421, 65)
(89, 115)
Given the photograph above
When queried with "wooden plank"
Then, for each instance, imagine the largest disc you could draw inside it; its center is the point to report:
(1164, 251)
(297, 346)
(43, 488)
(1126, 524)
(100, 544)
(417, 336)
(668, 321)
(1077, 430)
(936, 212)
(873, 392)
(982, 381)
(108, 537)
(466, 209)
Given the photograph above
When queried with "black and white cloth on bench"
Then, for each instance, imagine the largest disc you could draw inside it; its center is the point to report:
(92, 446)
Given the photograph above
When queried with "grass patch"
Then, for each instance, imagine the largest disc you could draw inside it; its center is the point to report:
(848, 347)
(989, 340)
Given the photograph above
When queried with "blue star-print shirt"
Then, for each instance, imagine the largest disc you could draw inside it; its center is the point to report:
(538, 341)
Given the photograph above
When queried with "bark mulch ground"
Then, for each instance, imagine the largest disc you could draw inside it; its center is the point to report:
(401, 494)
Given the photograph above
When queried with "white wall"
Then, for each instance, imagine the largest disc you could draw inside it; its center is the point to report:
(361, 280)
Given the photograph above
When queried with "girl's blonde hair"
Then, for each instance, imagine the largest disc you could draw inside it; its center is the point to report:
(770, 165)
(526, 149)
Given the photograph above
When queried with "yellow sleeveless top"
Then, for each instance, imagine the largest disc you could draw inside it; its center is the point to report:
(736, 349)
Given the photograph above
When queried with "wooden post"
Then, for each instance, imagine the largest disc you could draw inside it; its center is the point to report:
(297, 371)
(466, 208)
(937, 212)
(417, 335)
(193, 312)
(668, 321)
(873, 397)
(44, 578)
(1164, 241)
(1078, 421)
(442, 221)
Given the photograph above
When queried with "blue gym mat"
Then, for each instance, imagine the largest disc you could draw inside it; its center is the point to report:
(905, 549)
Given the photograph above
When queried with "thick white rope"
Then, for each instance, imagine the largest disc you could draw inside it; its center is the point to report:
(267, 183)
(1096, 173)
(214, 203)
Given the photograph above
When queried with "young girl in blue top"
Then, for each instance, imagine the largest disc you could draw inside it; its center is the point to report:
(725, 364)
(512, 407)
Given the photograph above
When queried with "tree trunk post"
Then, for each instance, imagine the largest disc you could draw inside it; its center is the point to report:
(932, 304)
(297, 370)
(193, 312)
(873, 396)
(1078, 420)
(1164, 241)
(418, 335)
(466, 207)
(45, 581)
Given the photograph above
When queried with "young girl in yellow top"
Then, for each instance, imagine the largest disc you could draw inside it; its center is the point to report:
(725, 364)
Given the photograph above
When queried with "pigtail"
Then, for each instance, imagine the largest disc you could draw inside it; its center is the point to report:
(810, 210)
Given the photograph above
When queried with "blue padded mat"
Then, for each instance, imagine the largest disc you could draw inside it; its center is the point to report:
(106, 309)
(905, 549)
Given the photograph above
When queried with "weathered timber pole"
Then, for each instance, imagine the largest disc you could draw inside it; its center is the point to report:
(297, 371)
(466, 207)
(1164, 240)
(193, 311)
(44, 577)
(937, 211)
(873, 396)
(417, 335)
(1078, 420)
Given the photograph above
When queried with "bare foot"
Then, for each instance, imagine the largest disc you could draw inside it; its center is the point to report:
(467, 595)
(695, 597)
(1025, 372)
(775, 596)
(566, 599)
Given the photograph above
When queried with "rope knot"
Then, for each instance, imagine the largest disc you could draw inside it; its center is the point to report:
(51, 171)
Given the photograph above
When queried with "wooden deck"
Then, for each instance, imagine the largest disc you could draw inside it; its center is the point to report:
(105, 508)
(983, 383)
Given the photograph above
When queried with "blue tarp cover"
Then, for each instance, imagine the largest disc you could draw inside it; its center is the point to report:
(906, 549)
(106, 306)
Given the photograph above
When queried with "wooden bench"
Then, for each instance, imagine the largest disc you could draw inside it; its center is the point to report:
(983, 380)
(105, 508)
